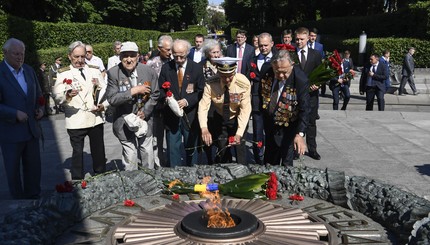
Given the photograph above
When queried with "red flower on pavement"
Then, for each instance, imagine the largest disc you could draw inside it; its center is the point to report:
(67, 81)
(260, 144)
(175, 196)
(272, 187)
(252, 75)
(166, 85)
(66, 187)
(169, 93)
(41, 101)
(253, 65)
(129, 203)
(297, 197)
(83, 184)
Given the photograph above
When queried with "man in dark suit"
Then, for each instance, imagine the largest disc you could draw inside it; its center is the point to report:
(196, 53)
(309, 60)
(241, 49)
(313, 44)
(372, 82)
(286, 115)
(21, 106)
(256, 69)
(187, 82)
(408, 68)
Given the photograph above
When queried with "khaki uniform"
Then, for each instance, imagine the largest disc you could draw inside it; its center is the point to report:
(240, 101)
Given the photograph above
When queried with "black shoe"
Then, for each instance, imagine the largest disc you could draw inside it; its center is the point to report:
(314, 155)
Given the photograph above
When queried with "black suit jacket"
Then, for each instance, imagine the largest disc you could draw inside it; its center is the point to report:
(256, 99)
(281, 134)
(379, 77)
(313, 60)
(192, 88)
(247, 55)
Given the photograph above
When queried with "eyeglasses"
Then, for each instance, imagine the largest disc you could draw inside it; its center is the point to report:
(180, 57)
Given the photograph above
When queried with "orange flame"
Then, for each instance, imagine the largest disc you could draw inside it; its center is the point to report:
(217, 218)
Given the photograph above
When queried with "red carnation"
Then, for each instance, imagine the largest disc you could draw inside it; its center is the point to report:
(253, 65)
(41, 101)
(260, 144)
(83, 184)
(231, 140)
(297, 197)
(272, 187)
(169, 93)
(67, 81)
(287, 47)
(252, 75)
(66, 187)
(166, 85)
(129, 203)
(175, 196)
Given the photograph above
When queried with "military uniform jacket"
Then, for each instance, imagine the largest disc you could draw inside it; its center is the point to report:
(77, 110)
(240, 100)
(119, 96)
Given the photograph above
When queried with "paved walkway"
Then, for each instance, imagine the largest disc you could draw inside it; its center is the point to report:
(391, 146)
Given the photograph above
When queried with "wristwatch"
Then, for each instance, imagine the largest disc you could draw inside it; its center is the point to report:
(302, 134)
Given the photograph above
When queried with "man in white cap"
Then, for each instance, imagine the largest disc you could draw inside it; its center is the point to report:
(230, 94)
(133, 91)
(80, 88)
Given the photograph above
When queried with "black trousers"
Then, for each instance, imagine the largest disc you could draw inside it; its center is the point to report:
(221, 132)
(97, 148)
(311, 132)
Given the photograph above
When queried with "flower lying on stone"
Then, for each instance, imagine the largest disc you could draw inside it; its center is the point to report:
(129, 203)
(66, 187)
(272, 187)
(254, 186)
(175, 197)
(297, 197)
(83, 184)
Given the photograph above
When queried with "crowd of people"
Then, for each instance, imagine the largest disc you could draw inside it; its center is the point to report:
(198, 100)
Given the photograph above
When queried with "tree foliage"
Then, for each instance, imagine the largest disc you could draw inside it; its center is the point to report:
(138, 14)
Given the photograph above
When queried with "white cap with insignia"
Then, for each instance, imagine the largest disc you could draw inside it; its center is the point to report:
(226, 64)
(129, 47)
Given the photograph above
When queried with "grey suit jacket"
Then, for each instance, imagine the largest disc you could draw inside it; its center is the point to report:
(13, 98)
(119, 96)
(408, 66)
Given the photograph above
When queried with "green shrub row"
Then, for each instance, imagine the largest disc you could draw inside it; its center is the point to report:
(398, 47)
(45, 41)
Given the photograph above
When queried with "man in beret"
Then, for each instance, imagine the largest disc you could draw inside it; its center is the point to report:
(230, 93)
(133, 88)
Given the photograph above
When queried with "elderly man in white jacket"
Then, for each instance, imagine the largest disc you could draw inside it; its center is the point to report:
(80, 89)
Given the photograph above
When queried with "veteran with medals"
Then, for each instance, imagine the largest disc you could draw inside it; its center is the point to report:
(230, 94)
(285, 91)
(79, 88)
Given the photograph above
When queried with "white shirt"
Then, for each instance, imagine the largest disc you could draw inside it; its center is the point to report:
(198, 54)
(113, 61)
(96, 61)
(263, 59)
(299, 53)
